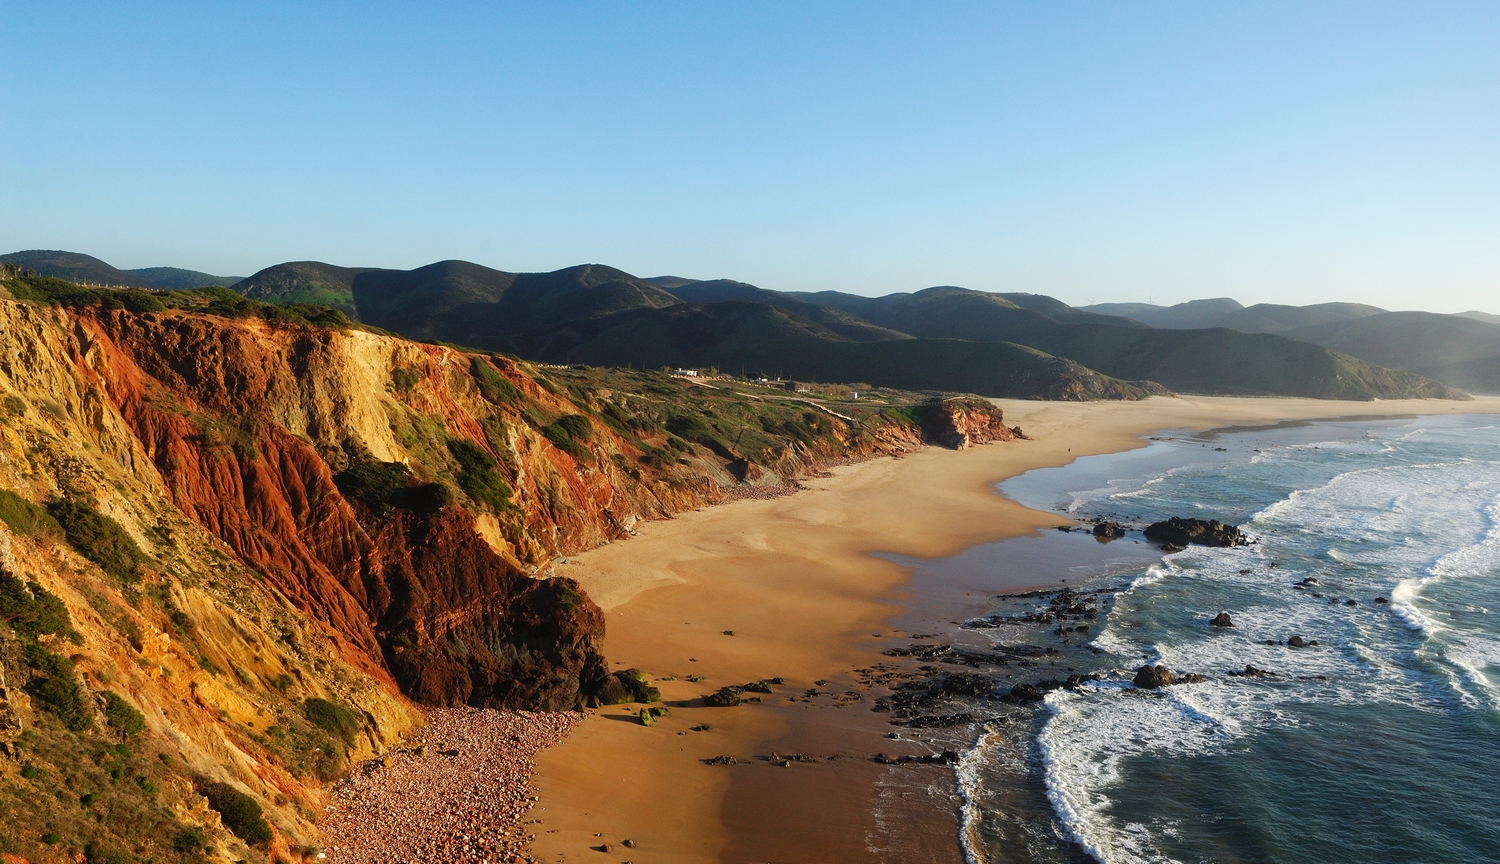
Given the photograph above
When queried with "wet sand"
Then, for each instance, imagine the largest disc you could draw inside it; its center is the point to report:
(794, 579)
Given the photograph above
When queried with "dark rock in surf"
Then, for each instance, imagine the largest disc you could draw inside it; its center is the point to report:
(1024, 693)
(1222, 620)
(1296, 642)
(1109, 530)
(1204, 532)
(940, 721)
(1153, 677)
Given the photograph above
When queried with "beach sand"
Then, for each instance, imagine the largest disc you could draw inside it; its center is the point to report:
(794, 580)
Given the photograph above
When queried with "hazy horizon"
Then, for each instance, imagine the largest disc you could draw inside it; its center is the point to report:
(1281, 153)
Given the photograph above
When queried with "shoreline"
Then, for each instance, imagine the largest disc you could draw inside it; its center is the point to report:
(796, 580)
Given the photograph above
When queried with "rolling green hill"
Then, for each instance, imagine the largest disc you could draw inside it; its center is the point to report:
(1183, 316)
(304, 282)
(88, 270)
(758, 338)
(178, 279)
(1454, 349)
(75, 267)
(1199, 361)
(1278, 318)
(1224, 312)
(838, 321)
(940, 338)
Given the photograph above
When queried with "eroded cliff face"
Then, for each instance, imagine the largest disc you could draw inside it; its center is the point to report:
(218, 662)
(339, 518)
(965, 421)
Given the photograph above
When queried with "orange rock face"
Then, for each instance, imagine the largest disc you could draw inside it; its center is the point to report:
(419, 599)
(958, 423)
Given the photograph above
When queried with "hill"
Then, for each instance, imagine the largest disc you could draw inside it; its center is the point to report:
(1276, 318)
(755, 338)
(590, 313)
(1481, 316)
(1198, 361)
(1193, 314)
(836, 320)
(1454, 349)
(1224, 312)
(178, 279)
(456, 301)
(304, 282)
(603, 316)
(75, 267)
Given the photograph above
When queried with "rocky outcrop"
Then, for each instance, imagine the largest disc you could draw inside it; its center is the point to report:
(1222, 620)
(1180, 532)
(964, 421)
(1109, 530)
(1154, 677)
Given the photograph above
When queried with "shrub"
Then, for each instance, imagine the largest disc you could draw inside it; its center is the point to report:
(566, 595)
(332, 718)
(315, 314)
(374, 484)
(492, 385)
(140, 301)
(560, 436)
(26, 518)
(577, 426)
(56, 689)
(122, 715)
(403, 378)
(14, 405)
(100, 539)
(32, 610)
(189, 839)
(239, 811)
(95, 855)
(479, 474)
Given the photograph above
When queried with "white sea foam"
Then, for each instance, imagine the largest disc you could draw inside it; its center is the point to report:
(971, 818)
(1384, 529)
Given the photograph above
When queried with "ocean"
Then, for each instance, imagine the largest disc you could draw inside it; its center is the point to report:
(1378, 539)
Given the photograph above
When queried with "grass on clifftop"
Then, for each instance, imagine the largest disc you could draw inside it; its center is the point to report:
(211, 300)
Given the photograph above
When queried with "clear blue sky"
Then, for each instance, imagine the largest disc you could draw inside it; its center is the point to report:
(1278, 152)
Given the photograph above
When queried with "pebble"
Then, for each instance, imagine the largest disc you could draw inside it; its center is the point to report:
(465, 807)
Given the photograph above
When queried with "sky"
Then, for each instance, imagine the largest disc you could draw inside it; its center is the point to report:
(1295, 152)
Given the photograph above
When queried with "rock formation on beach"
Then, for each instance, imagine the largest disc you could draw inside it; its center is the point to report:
(1180, 532)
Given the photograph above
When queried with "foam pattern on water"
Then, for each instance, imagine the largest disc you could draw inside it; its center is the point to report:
(1408, 515)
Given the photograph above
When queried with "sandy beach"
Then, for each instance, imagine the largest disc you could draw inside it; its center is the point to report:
(793, 579)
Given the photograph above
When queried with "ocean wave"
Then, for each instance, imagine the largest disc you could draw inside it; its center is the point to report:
(970, 816)
(1423, 533)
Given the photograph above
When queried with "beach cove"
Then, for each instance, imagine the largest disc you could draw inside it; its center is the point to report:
(797, 583)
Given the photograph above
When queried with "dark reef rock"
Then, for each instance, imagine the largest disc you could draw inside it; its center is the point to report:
(1222, 620)
(1153, 677)
(1109, 530)
(1180, 532)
